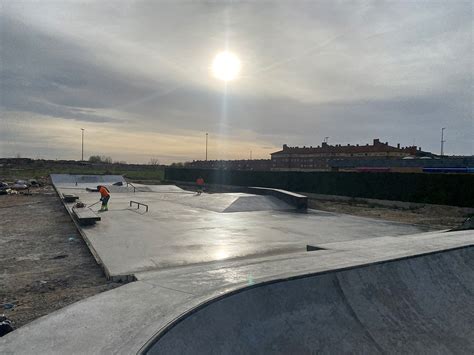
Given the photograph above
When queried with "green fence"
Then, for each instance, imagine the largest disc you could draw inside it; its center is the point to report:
(445, 189)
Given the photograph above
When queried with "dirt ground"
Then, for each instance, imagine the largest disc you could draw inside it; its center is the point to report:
(45, 264)
(434, 217)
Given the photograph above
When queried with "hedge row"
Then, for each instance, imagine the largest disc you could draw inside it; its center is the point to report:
(445, 189)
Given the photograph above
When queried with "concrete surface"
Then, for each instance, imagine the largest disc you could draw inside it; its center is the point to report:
(210, 281)
(122, 320)
(417, 305)
(182, 228)
(72, 179)
(85, 216)
(294, 199)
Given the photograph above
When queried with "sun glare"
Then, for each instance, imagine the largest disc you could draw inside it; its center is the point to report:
(226, 66)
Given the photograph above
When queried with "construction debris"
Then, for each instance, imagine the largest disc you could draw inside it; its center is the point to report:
(20, 185)
(6, 325)
(70, 198)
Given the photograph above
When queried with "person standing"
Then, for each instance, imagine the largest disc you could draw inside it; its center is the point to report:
(104, 197)
(200, 185)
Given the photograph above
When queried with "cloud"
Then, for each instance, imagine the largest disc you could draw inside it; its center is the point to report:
(51, 137)
(352, 71)
(47, 74)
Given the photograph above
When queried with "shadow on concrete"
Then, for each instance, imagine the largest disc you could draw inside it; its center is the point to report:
(421, 304)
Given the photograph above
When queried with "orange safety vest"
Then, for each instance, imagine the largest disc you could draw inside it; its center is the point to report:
(104, 192)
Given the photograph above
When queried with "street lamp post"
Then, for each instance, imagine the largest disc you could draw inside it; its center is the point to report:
(442, 140)
(206, 145)
(82, 150)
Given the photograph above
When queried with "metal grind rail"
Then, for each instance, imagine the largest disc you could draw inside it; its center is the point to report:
(139, 204)
(130, 184)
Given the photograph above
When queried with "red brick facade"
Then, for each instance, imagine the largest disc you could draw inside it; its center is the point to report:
(316, 158)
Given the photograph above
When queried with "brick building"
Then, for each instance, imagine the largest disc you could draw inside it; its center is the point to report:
(317, 158)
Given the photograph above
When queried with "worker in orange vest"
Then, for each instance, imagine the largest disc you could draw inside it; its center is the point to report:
(200, 185)
(104, 197)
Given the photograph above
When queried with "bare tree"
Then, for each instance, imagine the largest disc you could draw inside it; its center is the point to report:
(95, 159)
(154, 161)
(100, 159)
(106, 160)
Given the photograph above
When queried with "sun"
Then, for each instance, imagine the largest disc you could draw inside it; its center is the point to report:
(226, 66)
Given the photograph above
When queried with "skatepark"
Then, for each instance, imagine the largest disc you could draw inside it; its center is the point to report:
(252, 273)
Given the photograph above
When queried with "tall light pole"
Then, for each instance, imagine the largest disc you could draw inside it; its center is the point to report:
(442, 140)
(326, 139)
(82, 150)
(206, 144)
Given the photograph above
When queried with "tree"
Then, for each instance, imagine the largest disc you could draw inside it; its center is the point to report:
(106, 160)
(95, 159)
(100, 159)
(154, 161)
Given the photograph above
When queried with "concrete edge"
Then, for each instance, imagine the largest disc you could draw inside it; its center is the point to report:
(171, 324)
(218, 187)
(114, 278)
(297, 200)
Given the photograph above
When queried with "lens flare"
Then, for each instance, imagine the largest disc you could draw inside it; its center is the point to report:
(226, 66)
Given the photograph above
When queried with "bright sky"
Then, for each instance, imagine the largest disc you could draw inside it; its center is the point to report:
(139, 77)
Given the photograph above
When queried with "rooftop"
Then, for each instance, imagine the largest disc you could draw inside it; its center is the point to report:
(376, 146)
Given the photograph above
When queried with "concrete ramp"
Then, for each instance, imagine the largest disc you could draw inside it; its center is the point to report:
(178, 228)
(136, 188)
(158, 188)
(72, 179)
(423, 304)
(298, 201)
(231, 202)
(258, 203)
(165, 188)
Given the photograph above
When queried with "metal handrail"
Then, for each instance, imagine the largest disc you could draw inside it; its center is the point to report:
(130, 184)
(139, 204)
